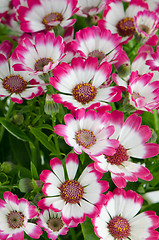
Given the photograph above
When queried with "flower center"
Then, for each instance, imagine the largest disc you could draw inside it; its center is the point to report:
(15, 219)
(99, 55)
(51, 17)
(84, 93)
(119, 157)
(14, 84)
(126, 27)
(144, 28)
(119, 227)
(71, 191)
(40, 63)
(85, 138)
(55, 224)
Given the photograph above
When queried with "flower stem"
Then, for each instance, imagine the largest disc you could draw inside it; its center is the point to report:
(156, 119)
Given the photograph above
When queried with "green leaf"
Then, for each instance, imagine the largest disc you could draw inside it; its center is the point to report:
(14, 129)
(34, 172)
(43, 138)
(88, 230)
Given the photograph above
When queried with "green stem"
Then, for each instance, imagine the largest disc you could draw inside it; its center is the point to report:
(156, 119)
(7, 117)
(54, 135)
(73, 234)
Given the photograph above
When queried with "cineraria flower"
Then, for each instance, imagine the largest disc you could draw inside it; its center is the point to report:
(154, 62)
(17, 85)
(143, 94)
(5, 6)
(84, 84)
(52, 223)
(74, 198)
(45, 15)
(15, 214)
(97, 43)
(88, 132)
(132, 139)
(90, 8)
(117, 218)
(121, 21)
(40, 55)
(146, 24)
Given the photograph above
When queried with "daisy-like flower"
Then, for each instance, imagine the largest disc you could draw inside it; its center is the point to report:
(15, 215)
(88, 132)
(84, 84)
(143, 94)
(146, 24)
(39, 55)
(98, 43)
(121, 21)
(118, 218)
(90, 8)
(46, 14)
(18, 85)
(132, 139)
(52, 223)
(74, 198)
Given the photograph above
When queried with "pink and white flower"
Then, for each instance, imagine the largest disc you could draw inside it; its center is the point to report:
(5, 48)
(132, 139)
(118, 218)
(98, 43)
(143, 94)
(84, 84)
(121, 21)
(45, 15)
(90, 8)
(146, 23)
(89, 132)
(5, 6)
(18, 85)
(75, 199)
(52, 223)
(39, 55)
(15, 215)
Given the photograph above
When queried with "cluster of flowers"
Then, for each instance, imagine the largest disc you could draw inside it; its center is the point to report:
(80, 70)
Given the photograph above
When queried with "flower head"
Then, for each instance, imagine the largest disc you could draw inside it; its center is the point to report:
(74, 198)
(15, 215)
(84, 84)
(121, 21)
(45, 15)
(18, 85)
(90, 8)
(40, 55)
(132, 139)
(52, 223)
(117, 218)
(88, 132)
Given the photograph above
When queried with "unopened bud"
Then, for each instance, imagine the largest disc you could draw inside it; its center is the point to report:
(18, 118)
(50, 106)
(7, 167)
(124, 70)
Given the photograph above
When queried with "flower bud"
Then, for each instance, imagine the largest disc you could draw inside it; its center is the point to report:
(7, 167)
(50, 106)
(18, 118)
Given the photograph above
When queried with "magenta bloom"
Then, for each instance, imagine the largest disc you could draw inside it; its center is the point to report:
(117, 218)
(154, 62)
(132, 139)
(18, 85)
(84, 84)
(143, 94)
(88, 132)
(39, 55)
(45, 15)
(74, 198)
(52, 223)
(15, 215)
(94, 42)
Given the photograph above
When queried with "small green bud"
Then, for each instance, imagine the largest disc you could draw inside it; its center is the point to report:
(124, 70)
(7, 167)
(50, 106)
(18, 118)
(25, 185)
